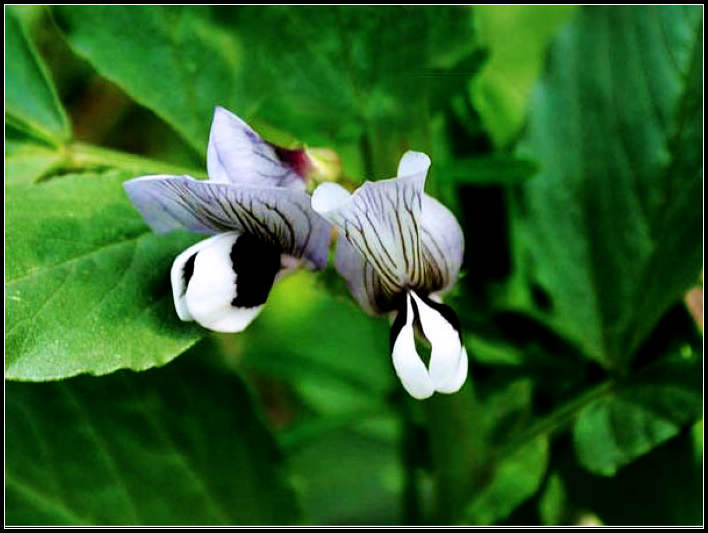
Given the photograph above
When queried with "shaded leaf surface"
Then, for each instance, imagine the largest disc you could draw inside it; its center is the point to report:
(611, 226)
(165, 57)
(636, 416)
(87, 286)
(31, 102)
(176, 445)
(517, 38)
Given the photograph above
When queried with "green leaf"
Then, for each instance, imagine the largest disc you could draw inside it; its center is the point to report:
(176, 445)
(517, 38)
(498, 169)
(552, 504)
(516, 478)
(347, 478)
(298, 332)
(640, 414)
(31, 102)
(336, 71)
(610, 229)
(27, 161)
(87, 285)
(168, 58)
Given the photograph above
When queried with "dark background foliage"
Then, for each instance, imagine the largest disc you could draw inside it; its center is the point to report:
(567, 141)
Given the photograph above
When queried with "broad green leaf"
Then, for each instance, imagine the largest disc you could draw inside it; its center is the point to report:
(86, 284)
(31, 102)
(637, 415)
(168, 58)
(517, 38)
(516, 478)
(340, 72)
(175, 445)
(610, 228)
(27, 161)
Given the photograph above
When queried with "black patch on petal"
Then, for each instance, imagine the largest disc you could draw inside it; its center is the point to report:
(446, 312)
(400, 320)
(188, 271)
(255, 263)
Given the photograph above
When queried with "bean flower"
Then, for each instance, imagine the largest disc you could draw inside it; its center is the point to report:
(399, 250)
(255, 207)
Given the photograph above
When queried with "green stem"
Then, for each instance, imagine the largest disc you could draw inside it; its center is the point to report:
(456, 450)
(559, 418)
(85, 156)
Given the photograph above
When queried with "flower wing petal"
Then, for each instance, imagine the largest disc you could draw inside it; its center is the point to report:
(277, 215)
(237, 154)
(441, 327)
(406, 361)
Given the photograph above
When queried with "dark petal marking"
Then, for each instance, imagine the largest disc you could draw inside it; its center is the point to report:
(446, 312)
(400, 320)
(188, 271)
(256, 264)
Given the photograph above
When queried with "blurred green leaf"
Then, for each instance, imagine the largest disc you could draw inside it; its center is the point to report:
(637, 415)
(610, 229)
(552, 504)
(488, 170)
(27, 161)
(334, 356)
(31, 102)
(168, 58)
(176, 445)
(345, 477)
(516, 478)
(517, 38)
(87, 284)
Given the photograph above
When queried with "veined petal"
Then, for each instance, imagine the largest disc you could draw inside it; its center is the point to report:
(237, 154)
(442, 329)
(406, 361)
(363, 281)
(224, 281)
(381, 220)
(442, 245)
(276, 215)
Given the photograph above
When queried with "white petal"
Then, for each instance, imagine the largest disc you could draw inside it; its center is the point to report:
(328, 197)
(445, 342)
(459, 377)
(237, 154)
(408, 364)
(212, 295)
(413, 163)
(178, 275)
(442, 244)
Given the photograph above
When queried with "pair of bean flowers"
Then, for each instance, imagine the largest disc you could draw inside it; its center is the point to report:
(397, 247)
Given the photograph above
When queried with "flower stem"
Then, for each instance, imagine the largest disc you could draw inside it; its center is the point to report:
(81, 156)
(456, 450)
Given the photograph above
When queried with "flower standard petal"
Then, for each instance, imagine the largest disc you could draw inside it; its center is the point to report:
(406, 361)
(380, 219)
(442, 245)
(277, 215)
(237, 154)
